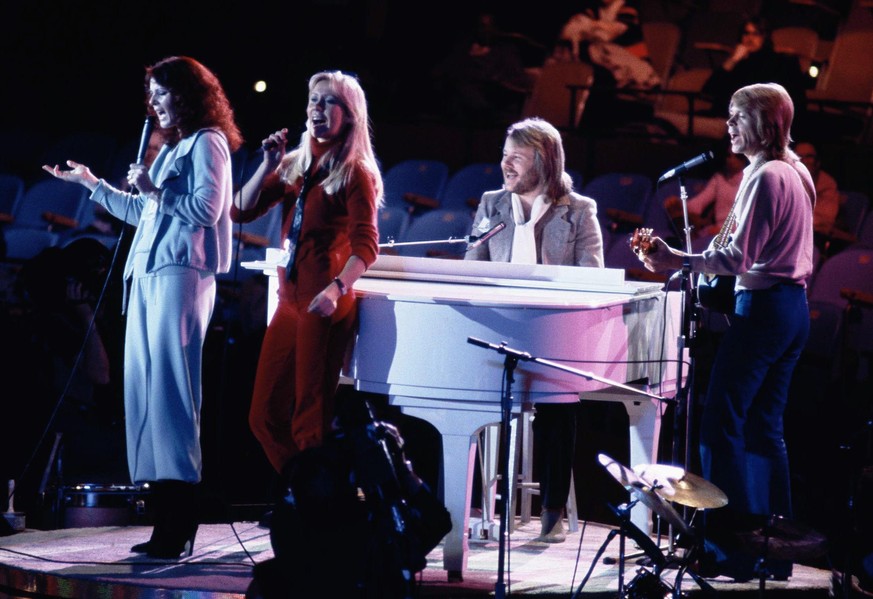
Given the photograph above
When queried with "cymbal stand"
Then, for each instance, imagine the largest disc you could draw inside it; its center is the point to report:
(626, 529)
(684, 564)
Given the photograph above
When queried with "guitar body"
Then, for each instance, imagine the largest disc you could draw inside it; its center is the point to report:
(716, 292)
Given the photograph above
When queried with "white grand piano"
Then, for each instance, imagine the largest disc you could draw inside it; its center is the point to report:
(416, 315)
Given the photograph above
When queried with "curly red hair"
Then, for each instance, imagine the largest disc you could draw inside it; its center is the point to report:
(198, 96)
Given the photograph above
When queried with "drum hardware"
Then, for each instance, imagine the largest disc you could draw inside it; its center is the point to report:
(644, 483)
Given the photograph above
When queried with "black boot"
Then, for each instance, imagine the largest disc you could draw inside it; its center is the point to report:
(154, 500)
(176, 520)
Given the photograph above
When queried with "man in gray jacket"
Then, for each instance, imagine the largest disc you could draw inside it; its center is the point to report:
(546, 223)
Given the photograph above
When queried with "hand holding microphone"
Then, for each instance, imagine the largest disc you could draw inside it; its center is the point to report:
(274, 146)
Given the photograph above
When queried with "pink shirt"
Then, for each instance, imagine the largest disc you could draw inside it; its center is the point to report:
(772, 242)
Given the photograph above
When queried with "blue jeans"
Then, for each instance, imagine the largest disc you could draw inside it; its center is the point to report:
(742, 448)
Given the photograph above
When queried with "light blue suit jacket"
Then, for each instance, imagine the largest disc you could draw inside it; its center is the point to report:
(193, 226)
(568, 233)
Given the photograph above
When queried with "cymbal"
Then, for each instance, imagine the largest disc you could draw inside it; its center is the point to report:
(659, 506)
(624, 475)
(643, 491)
(676, 485)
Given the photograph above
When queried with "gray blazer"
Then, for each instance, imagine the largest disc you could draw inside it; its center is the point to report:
(568, 233)
(193, 225)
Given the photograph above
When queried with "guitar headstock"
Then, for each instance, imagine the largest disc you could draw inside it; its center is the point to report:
(641, 242)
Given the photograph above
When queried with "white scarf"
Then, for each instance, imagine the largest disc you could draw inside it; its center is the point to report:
(524, 245)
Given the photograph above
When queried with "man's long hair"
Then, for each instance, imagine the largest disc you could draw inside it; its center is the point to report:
(198, 99)
(772, 111)
(548, 148)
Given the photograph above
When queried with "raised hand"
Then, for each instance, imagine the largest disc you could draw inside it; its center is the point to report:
(78, 173)
(274, 146)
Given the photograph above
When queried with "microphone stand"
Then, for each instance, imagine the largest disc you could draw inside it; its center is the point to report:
(393, 244)
(688, 316)
(468, 239)
(510, 363)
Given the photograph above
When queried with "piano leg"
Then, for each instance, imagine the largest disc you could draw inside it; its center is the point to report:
(459, 453)
(645, 428)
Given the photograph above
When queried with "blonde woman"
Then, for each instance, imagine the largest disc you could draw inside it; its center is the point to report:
(334, 176)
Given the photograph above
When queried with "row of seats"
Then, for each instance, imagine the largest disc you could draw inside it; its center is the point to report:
(413, 190)
(684, 56)
(421, 185)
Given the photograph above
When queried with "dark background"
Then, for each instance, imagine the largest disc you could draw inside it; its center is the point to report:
(69, 67)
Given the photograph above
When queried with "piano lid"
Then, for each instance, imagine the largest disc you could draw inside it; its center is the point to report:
(506, 274)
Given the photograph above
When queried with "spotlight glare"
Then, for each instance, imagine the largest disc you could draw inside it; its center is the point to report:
(260, 86)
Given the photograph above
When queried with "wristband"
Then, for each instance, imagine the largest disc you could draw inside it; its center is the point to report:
(340, 285)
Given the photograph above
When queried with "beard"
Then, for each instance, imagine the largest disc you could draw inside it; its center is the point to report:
(524, 184)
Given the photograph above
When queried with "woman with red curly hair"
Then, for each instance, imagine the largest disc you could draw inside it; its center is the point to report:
(183, 239)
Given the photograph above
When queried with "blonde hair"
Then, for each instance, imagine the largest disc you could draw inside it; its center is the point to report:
(772, 111)
(548, 148)
(355, 148)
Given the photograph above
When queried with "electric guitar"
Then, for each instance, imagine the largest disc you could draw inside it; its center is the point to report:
(715, 292)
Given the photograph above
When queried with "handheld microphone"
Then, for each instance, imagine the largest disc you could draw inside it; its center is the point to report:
(687, 165)
(144, 140)
(487, 235)
(269, 145)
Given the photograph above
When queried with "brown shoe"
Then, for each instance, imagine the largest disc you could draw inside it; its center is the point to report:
(552, 527)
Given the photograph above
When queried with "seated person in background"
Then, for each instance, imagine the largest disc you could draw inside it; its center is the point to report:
(608, 33)
(755, 60)
(546, 223)
(827, 204)
(710, 207)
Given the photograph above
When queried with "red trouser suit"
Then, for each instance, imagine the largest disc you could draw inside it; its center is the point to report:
(301, 358)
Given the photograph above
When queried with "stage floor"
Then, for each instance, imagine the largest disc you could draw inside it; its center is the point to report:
(96, 562)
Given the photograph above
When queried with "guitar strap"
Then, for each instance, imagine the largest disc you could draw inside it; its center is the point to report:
(724, 233)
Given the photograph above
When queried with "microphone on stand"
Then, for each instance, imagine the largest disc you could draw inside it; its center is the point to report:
(687, 165)
(487, 235)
